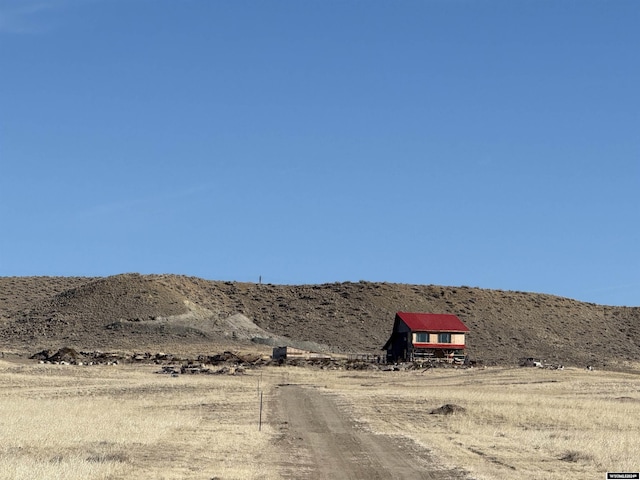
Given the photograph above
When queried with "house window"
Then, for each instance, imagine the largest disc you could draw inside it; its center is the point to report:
(422, 337)
(444, 338)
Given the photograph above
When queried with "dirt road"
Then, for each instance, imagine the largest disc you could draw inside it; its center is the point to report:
(320, 441)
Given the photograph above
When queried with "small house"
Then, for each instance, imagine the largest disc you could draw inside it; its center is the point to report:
(423, 336)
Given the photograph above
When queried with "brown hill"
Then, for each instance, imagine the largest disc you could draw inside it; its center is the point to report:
(177, 313)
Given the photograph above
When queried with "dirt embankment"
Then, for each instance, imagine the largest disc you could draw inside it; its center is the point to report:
(178, 313)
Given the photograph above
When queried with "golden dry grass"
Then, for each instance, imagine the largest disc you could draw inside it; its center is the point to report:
(99, 422)
(64, 422)
(529, 423)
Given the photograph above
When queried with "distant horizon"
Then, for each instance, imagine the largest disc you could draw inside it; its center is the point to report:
(439, 142)
(262, 281)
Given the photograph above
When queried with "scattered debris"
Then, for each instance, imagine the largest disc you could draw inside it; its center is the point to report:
(70, 356)
(201, 369)
(227, 363)
(575, 456)
(532, 362)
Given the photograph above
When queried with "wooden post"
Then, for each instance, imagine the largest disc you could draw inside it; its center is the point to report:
(260, 421)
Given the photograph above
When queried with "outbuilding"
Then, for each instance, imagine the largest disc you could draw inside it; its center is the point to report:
(423, 336)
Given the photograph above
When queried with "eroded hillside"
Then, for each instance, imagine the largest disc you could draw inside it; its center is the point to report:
(171, 312)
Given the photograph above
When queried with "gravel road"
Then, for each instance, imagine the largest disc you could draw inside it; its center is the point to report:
(319, 440)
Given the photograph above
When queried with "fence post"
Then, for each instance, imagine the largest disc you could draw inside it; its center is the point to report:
(260, 420)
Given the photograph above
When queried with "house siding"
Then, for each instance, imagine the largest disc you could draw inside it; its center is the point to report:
(456, 338)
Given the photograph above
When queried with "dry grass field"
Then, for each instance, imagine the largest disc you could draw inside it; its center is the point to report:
(107, 422)
(117, 422)
(524, 423)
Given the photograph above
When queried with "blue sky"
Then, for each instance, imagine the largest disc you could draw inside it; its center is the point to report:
(493, 144)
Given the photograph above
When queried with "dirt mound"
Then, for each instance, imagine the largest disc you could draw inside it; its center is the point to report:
(130, 297)
(85, 314)
(448, 409)
(65, 354)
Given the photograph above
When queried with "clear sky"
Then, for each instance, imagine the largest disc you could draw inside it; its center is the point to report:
(492, 144)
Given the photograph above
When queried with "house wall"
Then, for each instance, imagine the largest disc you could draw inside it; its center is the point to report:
(456, 338)
(400, 345)
(403, 328)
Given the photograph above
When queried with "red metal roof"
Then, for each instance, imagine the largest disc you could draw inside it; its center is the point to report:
(432, 322)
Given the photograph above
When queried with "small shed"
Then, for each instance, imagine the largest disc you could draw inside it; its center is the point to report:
(423, 336)
(290, 353)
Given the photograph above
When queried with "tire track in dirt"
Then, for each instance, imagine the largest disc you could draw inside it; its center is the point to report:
(319, 441)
